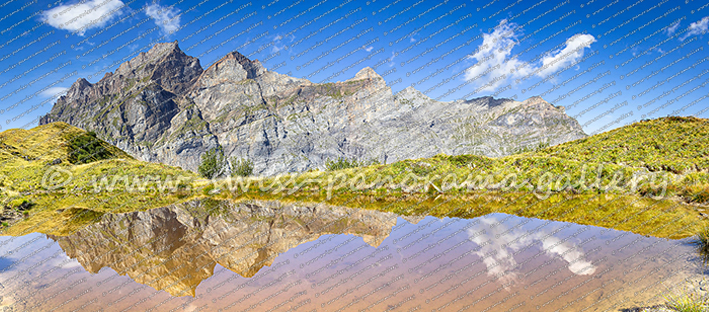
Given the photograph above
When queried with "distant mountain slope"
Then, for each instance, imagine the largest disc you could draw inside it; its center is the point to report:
(565, 183)
(163, 107)
(676, 144)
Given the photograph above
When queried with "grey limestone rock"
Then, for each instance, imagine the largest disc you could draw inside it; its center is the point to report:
(162, 106)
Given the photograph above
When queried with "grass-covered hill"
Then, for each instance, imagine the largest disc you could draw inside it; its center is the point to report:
(49, 173)
(675, 144)
(649, 177)
(25, 154)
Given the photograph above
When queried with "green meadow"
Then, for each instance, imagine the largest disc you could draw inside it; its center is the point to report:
(650, 178)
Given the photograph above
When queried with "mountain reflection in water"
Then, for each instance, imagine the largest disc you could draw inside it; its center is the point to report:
(177, 247)
(191, 253)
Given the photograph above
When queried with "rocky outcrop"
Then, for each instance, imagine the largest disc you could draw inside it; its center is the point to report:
(162, 107)
(177, 247)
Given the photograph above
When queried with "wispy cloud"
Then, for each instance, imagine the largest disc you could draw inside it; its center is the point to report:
(275, 44)
(672, 29)
(494, 63)
(699, 27)
(499, 242)
(54, 92)
(167, 18)
(391, 59)
(570, 53)
(80, 17)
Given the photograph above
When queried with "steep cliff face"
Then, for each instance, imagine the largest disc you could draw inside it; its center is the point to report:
(162, 107)
(175, 248)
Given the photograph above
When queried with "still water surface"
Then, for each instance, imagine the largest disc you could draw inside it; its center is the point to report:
(267, 257)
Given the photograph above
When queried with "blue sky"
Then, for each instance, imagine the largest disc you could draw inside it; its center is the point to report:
(608, 63)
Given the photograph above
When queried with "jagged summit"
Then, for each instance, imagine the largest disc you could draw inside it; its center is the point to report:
(366, 73)
(243, 60)
(80, 84)
(369, 74)
(162, 47)
(251, 68)
(162, 106)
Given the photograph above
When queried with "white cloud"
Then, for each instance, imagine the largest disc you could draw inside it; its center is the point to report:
(493, 58)
(54, 92)
(275, 47)
(495, 65)
(697, 28)
(80, 17)
(572, 52)
(167, 18)
(500, 242)
(369, 48)
(671, 30)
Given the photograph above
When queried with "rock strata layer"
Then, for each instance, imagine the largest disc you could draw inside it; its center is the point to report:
(163, 107)
(175, 248)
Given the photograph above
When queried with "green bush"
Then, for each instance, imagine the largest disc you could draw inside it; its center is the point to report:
(86, 147)
(541, 145)
(214, 163)
(344, 163)
(701, 244)
(241, 167)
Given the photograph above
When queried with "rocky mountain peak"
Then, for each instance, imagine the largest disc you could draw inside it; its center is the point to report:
(80, 84)
(366, 73)
(242, 59)
(536, 100)
(233, 67)
(164, 48)
(162, 106)
(165, 64)
(369, 74)
(253, 68)
(409, 92)
(77, 89)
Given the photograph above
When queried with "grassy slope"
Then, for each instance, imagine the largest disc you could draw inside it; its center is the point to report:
(676, 144)
(672, 153)
(25, 168)
(673, 150)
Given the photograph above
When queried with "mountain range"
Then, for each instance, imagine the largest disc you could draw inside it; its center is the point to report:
(162, 106)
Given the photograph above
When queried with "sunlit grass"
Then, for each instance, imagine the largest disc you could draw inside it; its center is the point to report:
(688, 301)
(574, 182)
(701, 243)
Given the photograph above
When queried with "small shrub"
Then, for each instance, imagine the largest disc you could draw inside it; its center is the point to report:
(689, 300)
(542, 145)
(697, 193)
(214, 163)
(241, 167)
(701, 243)
(86, 147)
(530, 148)
(208, 189)
(345, 163)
